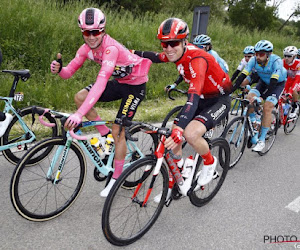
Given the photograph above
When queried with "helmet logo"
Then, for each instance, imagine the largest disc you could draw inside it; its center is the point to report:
(177, 27)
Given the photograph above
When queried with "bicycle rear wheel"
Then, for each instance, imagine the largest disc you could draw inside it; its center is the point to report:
(32, 190)
(271, 135)
(290, 123)
(15, 133)
(125, 218)
(202, 195)
(236, 136)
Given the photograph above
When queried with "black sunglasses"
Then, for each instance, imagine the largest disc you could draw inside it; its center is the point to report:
(171, 43)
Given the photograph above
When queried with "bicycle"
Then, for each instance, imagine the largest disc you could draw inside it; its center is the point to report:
(237, 107)
(284, 110)
(241, 130)
(47, 189)
(22, 132)
(128, 214)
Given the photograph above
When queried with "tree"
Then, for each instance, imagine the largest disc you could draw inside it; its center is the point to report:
(254, 14)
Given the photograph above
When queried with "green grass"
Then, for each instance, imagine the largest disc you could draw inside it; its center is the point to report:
(31, 38)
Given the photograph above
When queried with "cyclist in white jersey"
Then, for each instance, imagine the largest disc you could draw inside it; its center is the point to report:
(130, 73)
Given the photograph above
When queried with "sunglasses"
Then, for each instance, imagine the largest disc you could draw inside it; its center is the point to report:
(248, 56)
(171, 43)
(201, 46)
(91, 32)
(289, 56)
(260, 54)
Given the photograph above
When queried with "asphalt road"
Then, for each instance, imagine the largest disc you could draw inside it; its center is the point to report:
(256, 205)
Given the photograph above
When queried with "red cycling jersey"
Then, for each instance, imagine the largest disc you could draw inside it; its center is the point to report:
(293, 78)
(202, 72)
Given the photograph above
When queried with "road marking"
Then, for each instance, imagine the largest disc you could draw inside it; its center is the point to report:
(294, 205)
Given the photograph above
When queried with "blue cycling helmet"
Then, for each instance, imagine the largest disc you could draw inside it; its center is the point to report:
(263, 45)
(249, 50)
(202, 40)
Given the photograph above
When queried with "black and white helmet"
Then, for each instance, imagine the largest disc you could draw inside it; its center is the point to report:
(290, 51)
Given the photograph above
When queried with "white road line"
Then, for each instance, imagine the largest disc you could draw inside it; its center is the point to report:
(294, 205)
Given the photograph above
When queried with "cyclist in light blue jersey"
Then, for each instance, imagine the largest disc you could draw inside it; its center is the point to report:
(204, 42)
(269, 68)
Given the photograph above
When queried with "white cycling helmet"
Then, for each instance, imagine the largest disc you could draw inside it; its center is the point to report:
(290, 51)
(91, 19)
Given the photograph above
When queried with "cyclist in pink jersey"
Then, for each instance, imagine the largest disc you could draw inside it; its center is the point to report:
(292, 85)
(130, 74)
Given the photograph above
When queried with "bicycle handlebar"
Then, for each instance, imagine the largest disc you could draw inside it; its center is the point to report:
(177, 90)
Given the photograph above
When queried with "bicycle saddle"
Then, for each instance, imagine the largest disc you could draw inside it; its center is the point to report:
(23, 73)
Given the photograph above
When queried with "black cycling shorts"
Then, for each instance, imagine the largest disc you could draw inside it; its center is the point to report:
(131, 96)
(266, 91)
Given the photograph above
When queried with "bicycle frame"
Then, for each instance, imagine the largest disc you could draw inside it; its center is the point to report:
(28, 133)
(62, 152)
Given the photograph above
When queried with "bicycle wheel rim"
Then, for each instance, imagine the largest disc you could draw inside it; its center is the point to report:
(34, 195)
(290, 123)
(120, 224)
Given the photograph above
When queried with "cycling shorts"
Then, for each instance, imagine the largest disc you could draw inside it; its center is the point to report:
(131, 96)
(266, 91)
(211, 111)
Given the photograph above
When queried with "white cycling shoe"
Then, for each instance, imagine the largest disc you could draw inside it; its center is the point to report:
(106, 190)
(207, 173)
(4, 124)
(260, 145)
(157, 198)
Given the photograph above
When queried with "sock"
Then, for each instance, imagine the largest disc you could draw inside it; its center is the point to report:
(102, 129)
(263, 133)
(118, 168)
(207, 158)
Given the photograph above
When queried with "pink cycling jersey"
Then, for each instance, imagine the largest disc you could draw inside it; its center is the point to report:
(115, 60)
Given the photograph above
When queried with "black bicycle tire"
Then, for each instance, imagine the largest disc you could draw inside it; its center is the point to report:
(14, 184)
(9, 154)
(109, 235)
(223, 144)
(168, 116)
(261, 153)
(286, 129)
(245, 137)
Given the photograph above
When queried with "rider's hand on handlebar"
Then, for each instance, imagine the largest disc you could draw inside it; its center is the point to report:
(169, 87)
(175, 138)
(56, 65)
(73, 121)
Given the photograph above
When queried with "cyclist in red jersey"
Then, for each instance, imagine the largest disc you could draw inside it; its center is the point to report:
(208, 94)
(292, 85)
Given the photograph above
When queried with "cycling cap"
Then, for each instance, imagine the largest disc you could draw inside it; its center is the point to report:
(249, 50)
(202, 40)
(173, 28)
(290, 51)
(263, 45)
(91, 18)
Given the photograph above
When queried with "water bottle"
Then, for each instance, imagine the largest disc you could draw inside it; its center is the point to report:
(285, 107)
(98, 146)
(109, 144)
(187, 167)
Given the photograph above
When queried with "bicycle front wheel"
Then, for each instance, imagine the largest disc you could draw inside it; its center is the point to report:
(271, 135)
(290, 123)
(126, 217)
(33, 192)
(236, 136)
(15, 133)
(204, 194)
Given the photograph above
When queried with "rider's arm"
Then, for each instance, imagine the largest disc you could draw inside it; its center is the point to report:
(108, 65)
(153, 56)
(235, 74)
(178, 80)
(74, 65)
(198, 65)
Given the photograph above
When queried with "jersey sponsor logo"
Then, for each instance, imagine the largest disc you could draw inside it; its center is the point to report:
(193, 73)
(220, 88)
(108, 63)
(219, 112)
(127, 104)
(191, 47)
